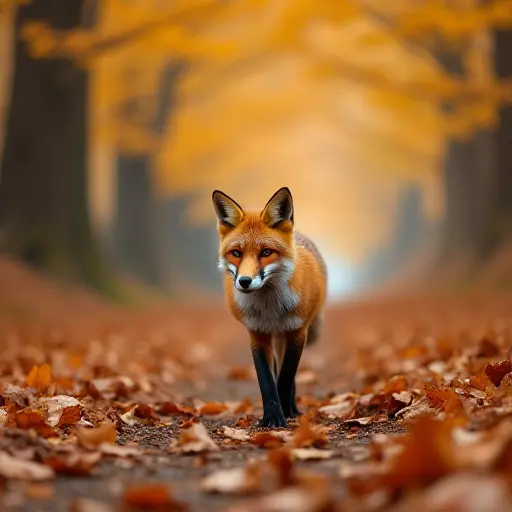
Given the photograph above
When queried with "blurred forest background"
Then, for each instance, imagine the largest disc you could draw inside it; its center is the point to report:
(390, 121)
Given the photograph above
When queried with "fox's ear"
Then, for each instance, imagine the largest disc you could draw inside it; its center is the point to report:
(229, 212)
(278, 212)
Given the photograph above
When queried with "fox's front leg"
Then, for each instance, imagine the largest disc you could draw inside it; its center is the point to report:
(261, 347)
(295, 342)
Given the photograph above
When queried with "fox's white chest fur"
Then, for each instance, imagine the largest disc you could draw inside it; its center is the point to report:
(270, 309)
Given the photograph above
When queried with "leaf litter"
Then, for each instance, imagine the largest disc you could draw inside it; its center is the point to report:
(412, 409)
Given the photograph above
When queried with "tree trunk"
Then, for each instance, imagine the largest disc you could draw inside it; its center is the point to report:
(134, 237)
(468, 179)
(502, 213)
(43, 183)
(136, 233)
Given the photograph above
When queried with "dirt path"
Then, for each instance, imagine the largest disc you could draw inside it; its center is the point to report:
(377, 369)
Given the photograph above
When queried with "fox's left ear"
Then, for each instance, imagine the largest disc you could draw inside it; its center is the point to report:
(278, 212)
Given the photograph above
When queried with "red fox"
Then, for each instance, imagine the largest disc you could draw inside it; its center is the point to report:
(275, 283)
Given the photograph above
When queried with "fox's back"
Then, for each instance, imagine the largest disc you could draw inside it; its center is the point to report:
(304, 242)
(310, 277)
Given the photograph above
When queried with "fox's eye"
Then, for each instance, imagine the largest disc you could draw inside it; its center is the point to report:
(236, 253)
(265, 253)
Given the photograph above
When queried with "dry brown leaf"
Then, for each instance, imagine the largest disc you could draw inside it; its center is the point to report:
(36, 420)
(233, 481)
(40, 377)
(73, 463)
(39, 491)
(144, 412)
(19, 469)
(91, 437)
(298, 499)
(151, 497)
(18, 396)
(170, 409)
(56, 411)
(340, 406)
(4, 417)
(360, 421)
(116, 450)
(429, 454)
(237, 434)
(212, 408)
(308, 435)
(419, 407)
(497, 371)
(194, 439)
(281, 462)
(267, 440)
(487, 348)
(311, 454)
(87, 505)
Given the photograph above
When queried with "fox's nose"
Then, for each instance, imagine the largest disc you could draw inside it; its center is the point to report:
(244, 282)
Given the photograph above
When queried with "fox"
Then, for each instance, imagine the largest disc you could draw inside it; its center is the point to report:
(275, 284)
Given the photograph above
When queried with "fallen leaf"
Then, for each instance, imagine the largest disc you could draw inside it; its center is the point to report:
(40, 377)
(487, 348)
(281, 462)
(429, 454)
(152, 497)
(497, 371)
(170, 408)
(233, 481)
(194, 439)
(419, 407)
(360, 421)
(267, 440)
(56, 411)
(311, 454)
(87, 505)
(92, 437)
(74, 463)
(236, 433)
(308, 435)
(298, 499)
(19, 469)
(212, 408)
(340, 406)
(39, 491)
(119, 451)
(17, 396)
(145, 412)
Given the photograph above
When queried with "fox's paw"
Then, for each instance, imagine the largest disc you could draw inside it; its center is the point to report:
(292, 413)
(273, 420)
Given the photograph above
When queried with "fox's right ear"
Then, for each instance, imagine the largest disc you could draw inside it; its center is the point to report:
(229, 212)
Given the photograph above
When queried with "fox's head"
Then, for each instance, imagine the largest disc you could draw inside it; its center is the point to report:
(256, 247)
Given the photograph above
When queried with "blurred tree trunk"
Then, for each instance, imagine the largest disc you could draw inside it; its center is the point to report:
(136, 229)
(502, 199)
(43, 183)
(134, 226)
(468, 180)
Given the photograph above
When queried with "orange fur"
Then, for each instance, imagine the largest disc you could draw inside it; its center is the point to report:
(275, 284)
(252, 234)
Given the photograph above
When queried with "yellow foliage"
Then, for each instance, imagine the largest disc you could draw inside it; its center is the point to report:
(338, 100)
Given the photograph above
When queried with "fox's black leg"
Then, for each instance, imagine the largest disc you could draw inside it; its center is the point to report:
(295, 413)
(286, 382)
(261, 347)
